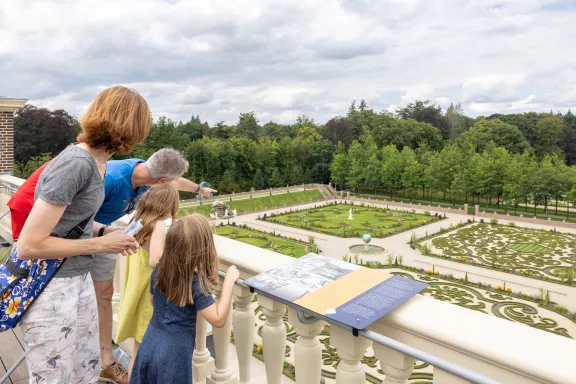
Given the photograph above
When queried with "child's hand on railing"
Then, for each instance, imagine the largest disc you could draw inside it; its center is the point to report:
(232, 274)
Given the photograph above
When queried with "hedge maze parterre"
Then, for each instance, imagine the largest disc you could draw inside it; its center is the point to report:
(333, 219)
(532, 252)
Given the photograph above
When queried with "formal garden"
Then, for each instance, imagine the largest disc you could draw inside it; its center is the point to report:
(536, 253)
(353, 220)
(285, 245)
(250, 204)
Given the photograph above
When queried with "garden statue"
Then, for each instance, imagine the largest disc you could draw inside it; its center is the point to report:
(350, 214)
(222, 210)
(234, 212)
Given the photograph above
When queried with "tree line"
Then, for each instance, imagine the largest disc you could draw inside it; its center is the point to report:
(416, 147)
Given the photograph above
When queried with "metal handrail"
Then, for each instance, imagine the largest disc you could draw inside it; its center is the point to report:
(425, 357)
(8, 186)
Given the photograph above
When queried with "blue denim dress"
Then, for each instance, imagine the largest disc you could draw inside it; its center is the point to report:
(165, 355)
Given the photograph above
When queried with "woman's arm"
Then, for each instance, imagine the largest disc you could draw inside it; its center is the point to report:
(35, 240)
(216, 314)
(157, 243)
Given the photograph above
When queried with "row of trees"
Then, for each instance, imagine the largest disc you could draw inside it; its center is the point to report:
(350, 150)
(495, 172)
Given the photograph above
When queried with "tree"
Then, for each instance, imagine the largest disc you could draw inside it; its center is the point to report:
(392, 169)
(227, 183)
(428, 113)
(372, 172)
(501, 134)
(514, 184)
(248, 126)
(193, 128)
(412, 175)
(39, 131)
(337, 130)
(24, 170)
(548, 134)
(339, 169)
(164, 133)
(492, 172)
(309, 133)
(571, 197)
(567, 144)
(442, 170)
(355, 175)
(276, 180)
(258, 182)
(541, 183)
(459, 123)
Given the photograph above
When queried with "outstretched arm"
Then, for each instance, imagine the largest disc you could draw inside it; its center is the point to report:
(186, 185)
(216, 314)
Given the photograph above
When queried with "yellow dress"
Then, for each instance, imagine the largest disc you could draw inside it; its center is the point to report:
(135, 308)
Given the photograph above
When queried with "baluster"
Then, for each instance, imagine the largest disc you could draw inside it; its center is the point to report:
(202, 362)
(397, 366)
(222, 374)
(308, 349)
(119, 274)
(351, 350)
(243, 325)
(273, 338)
(443, 377)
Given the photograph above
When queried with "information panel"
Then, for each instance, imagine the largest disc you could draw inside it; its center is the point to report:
(345, 292)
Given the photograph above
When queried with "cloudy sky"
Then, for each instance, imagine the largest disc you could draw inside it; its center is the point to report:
(285, 58)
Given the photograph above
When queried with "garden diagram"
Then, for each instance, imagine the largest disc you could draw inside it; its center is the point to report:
(535, 253)
(353, 220)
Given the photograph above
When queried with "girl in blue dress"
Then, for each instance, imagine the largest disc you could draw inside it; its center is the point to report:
(179, 289)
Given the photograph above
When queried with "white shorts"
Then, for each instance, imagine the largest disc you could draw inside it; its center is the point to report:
(61, 333)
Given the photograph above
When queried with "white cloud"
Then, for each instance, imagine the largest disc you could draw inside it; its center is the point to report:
(284, 58)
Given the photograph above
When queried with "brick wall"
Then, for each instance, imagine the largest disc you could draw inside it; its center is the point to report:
(6, 141)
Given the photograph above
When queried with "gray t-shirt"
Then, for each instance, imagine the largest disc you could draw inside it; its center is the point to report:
(72, 179)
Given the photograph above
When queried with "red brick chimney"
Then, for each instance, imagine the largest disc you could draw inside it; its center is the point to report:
(7, 109)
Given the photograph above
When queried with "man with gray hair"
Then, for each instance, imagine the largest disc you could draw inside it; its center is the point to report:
(125, 181)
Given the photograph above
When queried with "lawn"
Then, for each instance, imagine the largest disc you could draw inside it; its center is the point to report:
(274, 243)
(333, 219)
(257, 203)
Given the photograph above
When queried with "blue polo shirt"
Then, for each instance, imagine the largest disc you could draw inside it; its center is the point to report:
(119, 195)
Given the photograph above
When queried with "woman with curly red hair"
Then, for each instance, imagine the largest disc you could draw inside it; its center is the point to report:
(61, 327)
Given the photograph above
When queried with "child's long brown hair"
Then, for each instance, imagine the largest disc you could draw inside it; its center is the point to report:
(188, 251)
(159, 203)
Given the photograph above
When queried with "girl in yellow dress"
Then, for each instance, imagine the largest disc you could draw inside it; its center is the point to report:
(157, 205)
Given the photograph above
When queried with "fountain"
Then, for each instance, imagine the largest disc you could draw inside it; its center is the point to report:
(367, 248)
(350, 215)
